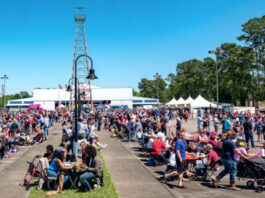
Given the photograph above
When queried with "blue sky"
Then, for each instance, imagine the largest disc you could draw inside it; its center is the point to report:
(128, 40)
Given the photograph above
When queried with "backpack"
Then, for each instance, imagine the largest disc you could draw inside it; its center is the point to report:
(13, 150)
(151, 162)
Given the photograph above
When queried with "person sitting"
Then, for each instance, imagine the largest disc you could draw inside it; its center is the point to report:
(97, 144)
(92, 166)
(39, 137)
(201, 170)
(242, 149)
(194, 149)
(213, 139)
(150, 139)
(66, 132)
(49, 153)
(171, 158)
(202, 136)
(157, 147)
(57, 166)
(261, 151)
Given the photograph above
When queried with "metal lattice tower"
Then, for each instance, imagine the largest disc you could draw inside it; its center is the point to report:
(80, 47)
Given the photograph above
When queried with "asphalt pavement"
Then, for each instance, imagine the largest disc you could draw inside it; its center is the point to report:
(133, 178)
(13, 168)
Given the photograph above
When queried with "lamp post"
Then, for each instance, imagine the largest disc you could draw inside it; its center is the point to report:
(4, 88)
(91, 76)
(217, 52)
(156, 77)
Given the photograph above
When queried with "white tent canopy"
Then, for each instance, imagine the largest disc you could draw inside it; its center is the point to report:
(173, 101)
(201, 102)
(181, 101)
(189, 100)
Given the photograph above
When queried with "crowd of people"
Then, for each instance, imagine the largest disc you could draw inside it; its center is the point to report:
(225, 144)
(189, 153)
(24, 127)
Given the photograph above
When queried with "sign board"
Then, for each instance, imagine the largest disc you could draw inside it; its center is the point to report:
(261, 104)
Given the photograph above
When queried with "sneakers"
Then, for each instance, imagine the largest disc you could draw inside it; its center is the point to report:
(104, 146)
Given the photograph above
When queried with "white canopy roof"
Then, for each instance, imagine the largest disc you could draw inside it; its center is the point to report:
(173, 101)
(201, 102)
(181, 101)
(189, 100)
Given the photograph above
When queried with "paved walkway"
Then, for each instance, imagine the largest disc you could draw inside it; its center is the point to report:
(131, 178)
(13, 169)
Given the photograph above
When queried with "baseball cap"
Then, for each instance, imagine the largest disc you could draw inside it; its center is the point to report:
(241, 144)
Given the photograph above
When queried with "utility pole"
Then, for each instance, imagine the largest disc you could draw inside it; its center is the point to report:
(4, 88)
(156, 76)
(217, 52)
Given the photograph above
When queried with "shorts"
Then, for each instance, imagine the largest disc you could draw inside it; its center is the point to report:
(181, 166)
(259, 132)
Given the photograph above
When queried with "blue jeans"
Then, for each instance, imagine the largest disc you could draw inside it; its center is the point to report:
(249, 136)
(51, 173)
(27, 131)
(99, 125)
(231, 168)
(45, 131)
(85, 177)
(201, 170)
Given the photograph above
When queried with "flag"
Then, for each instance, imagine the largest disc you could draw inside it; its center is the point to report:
(60, 86)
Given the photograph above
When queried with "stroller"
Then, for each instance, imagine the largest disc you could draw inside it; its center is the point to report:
(33, 172)
(252, 168)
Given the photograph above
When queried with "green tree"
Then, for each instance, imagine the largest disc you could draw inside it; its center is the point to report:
(20, 95)
(236, 79)
(150, 88)
(135, 93)
(254, 37)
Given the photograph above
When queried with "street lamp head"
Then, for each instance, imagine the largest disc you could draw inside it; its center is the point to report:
(69, 89)
(91, 75)
(212, 52)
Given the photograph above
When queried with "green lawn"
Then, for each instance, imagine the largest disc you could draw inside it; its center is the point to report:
(108, 191)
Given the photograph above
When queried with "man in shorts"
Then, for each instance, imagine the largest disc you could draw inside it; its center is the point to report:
(180, 160)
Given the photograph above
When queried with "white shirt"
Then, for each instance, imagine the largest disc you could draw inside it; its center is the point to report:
(150, 143)
(172, 159)
(92, 131)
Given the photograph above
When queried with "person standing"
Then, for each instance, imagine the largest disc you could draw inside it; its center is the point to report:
(259, 128)
(199, 122)
(228, 159)
(13, 128)
(91, 132)
(178, 125)
(26, 126)
(248, 130)
(227, 124)
(186, 115)
(216, 123)
(180, 160)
